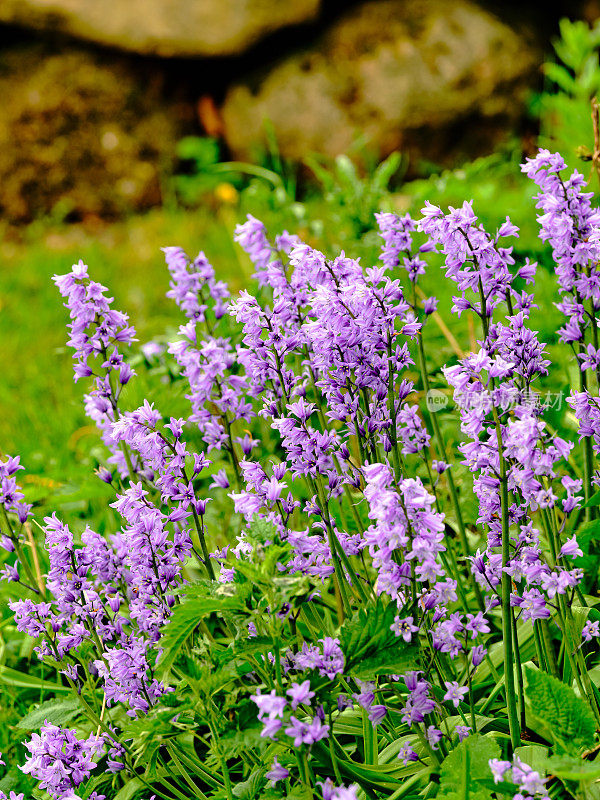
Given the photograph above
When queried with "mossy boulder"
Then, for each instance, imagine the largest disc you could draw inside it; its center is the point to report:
(183, 28)
(418, 76)
(81, 135)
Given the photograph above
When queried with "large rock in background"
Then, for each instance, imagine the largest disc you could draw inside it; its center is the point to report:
(91, 134)
(414, 75)
(184, 28)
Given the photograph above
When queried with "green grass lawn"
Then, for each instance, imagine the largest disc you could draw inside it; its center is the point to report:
(41, 416)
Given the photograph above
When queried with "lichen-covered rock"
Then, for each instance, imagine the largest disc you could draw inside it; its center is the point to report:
(184, 28)
(79, 136)
(399, 75)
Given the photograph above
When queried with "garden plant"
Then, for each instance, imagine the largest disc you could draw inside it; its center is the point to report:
(337, 565)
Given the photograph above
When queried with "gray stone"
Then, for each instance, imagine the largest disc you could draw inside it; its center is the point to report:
(82, 135)
(396, 74)
(185, 28)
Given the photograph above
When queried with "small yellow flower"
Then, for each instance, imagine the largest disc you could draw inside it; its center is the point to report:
(226, 193)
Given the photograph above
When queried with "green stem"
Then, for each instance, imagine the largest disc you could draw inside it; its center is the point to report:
(307, 781)
(509, 676)
(520, 684)
(331, 537)
(205, 554)
(19, 552)
(224, 768)
(370, 746)
(542, 661)
(588, 468)
(462, 531)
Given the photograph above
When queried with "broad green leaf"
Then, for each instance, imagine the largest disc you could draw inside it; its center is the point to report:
(262, 530)
(158, 722)
(249, 789)
(466, 771)
(555, 705)
(573, 769)
(389, 754)
(593, 501)
(242, 648)
(57, 712)
(371, 647)
(535, 755)
(184, 620)
(233, 743)
(396, 658)
(129, 791)
(383, 776)
(349, 722)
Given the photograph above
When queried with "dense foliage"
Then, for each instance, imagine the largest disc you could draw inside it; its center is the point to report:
(353, 566)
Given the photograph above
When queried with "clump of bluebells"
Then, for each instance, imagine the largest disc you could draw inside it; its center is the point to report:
(350, 631)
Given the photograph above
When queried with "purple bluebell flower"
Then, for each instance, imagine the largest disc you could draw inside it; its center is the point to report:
(406, 754)
(300, 693)
(277, 772)
(455, 693)
(462, 731)
(60, 761)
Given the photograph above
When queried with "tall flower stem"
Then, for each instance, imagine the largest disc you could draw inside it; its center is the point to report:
(507, 638)
(520, 684)
(223, 760)
(337, 549)
(462, 532)
(548, 649)
(20, 555)
(588, 459)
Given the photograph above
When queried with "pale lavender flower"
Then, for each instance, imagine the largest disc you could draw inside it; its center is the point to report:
(455, 692)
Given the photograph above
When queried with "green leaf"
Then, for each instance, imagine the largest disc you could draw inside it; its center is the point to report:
(579, 615)
(385, 171)
(555, 705)
(262, 530)
(398, 657)
(95, 783)
(560, 75)
(233, 743)
(185, 619)
(593, 501)
(371, 647)
(465, 772)
(535, 755)
(573, 769)
(248, 789)
(13, 677)
(381, 776)
(17, 781)
(158, 722)
(129, 791)
(57, 712)
(250, 647)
